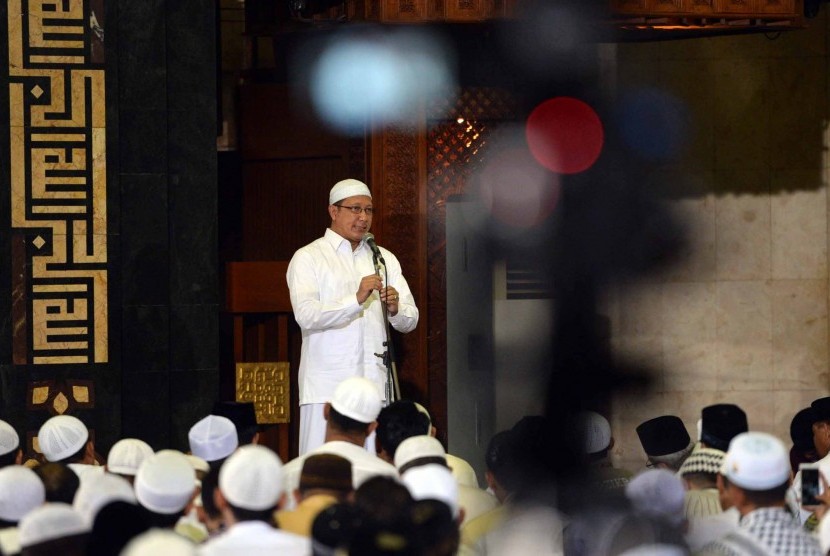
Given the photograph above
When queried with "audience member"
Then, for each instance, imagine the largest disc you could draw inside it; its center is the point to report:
(720, 423)
(665, 441)
(51, 529)
(94, 495)
(326, 479)
(116, 524)
(755, 478)
(350, 418)
(21, 491)
(65, 439)
(164, 486)
(60, 482)
(250, 490)
(594, 433)
(397, 422)
(384, 500)
(334, 529)
(10, 452)
(700, 477)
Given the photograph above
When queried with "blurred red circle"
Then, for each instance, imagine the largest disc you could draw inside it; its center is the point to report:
(565, 135)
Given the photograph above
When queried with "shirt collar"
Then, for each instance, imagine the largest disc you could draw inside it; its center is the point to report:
(336, 241)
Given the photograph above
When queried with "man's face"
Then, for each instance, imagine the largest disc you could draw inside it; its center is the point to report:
(347, 224)
(821, 438)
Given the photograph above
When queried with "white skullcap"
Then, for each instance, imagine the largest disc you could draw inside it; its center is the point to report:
(49, 522)
(432, 482)
(95, 493)
(156, 542)
(357, 398)
(699, 428)
(213, 438)
(756, 461)
(348, 188)
(418, 447)
(9, 440)
(62, 436)
(656, 549)
(251, 479)
(197, 463)
(126, 456)
(658, 493)
(21, 490)
(423, 410)
(164, 482)
(594, 432)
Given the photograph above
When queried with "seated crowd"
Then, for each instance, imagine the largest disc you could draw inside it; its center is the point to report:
(731, 491)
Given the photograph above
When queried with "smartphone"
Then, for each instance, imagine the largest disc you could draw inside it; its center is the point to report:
(810, 484)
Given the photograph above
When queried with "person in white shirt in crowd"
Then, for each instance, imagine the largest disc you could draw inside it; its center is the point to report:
(339, 297)
(755, 477)
(126, 456)
(158, 542)
(52, 529)
(665, 441)
(21, 491)
(326, 479)
(164, 487)
(350, 418)
(250, 490)
(820, 418)
(65, 439)
(426, 450)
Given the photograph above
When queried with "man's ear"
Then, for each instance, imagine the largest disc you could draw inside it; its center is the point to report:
(255, 439)
(460, 519)
(432, 431)
(89, 452)
(332, 211)
(326, 411)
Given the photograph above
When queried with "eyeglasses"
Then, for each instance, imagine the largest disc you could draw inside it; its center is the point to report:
(357, 209)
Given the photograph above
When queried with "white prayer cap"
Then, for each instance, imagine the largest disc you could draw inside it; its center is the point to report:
(432, 482)
(21, 491)
(357, 398)
(348, 188)
(62, 436)
(49, 522)
(126, 456)
(594, 432)
(164, 482)
(213, 438)
(9, 440)
(251, 479)
(658, 493)
(756, 461)
(95, 493)
(423, 410)
(197, 463)
(656, 549)
(422, 447)
(156, 542)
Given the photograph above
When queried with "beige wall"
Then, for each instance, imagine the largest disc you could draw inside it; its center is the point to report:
(742, 316)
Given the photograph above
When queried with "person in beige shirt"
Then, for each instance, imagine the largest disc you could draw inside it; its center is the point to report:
(326, 479)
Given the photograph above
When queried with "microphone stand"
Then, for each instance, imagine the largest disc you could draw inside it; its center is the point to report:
(393, 390)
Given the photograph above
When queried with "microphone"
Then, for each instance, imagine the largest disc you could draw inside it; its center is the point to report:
(370, 241)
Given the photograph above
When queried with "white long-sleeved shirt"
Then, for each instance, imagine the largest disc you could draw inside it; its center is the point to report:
(341, 336)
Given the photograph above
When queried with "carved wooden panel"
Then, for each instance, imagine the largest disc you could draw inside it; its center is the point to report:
(628, 6)
(784, 7)
(668, 6)
(735, 6)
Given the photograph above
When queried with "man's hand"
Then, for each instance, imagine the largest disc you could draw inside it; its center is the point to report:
(389, 295)
(368, 284)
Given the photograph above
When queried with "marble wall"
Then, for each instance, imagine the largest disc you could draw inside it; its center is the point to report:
(742, 315)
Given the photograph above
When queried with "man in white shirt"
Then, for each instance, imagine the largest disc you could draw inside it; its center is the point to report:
(339, 292)
(250, 489)
(351, 417)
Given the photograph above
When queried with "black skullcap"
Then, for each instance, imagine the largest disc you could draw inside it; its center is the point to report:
(334, 528)
(663, 435)
(721, 423)
(801, 429)
(821, 410)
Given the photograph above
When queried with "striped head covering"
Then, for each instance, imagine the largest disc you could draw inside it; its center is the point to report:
(703, 460)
